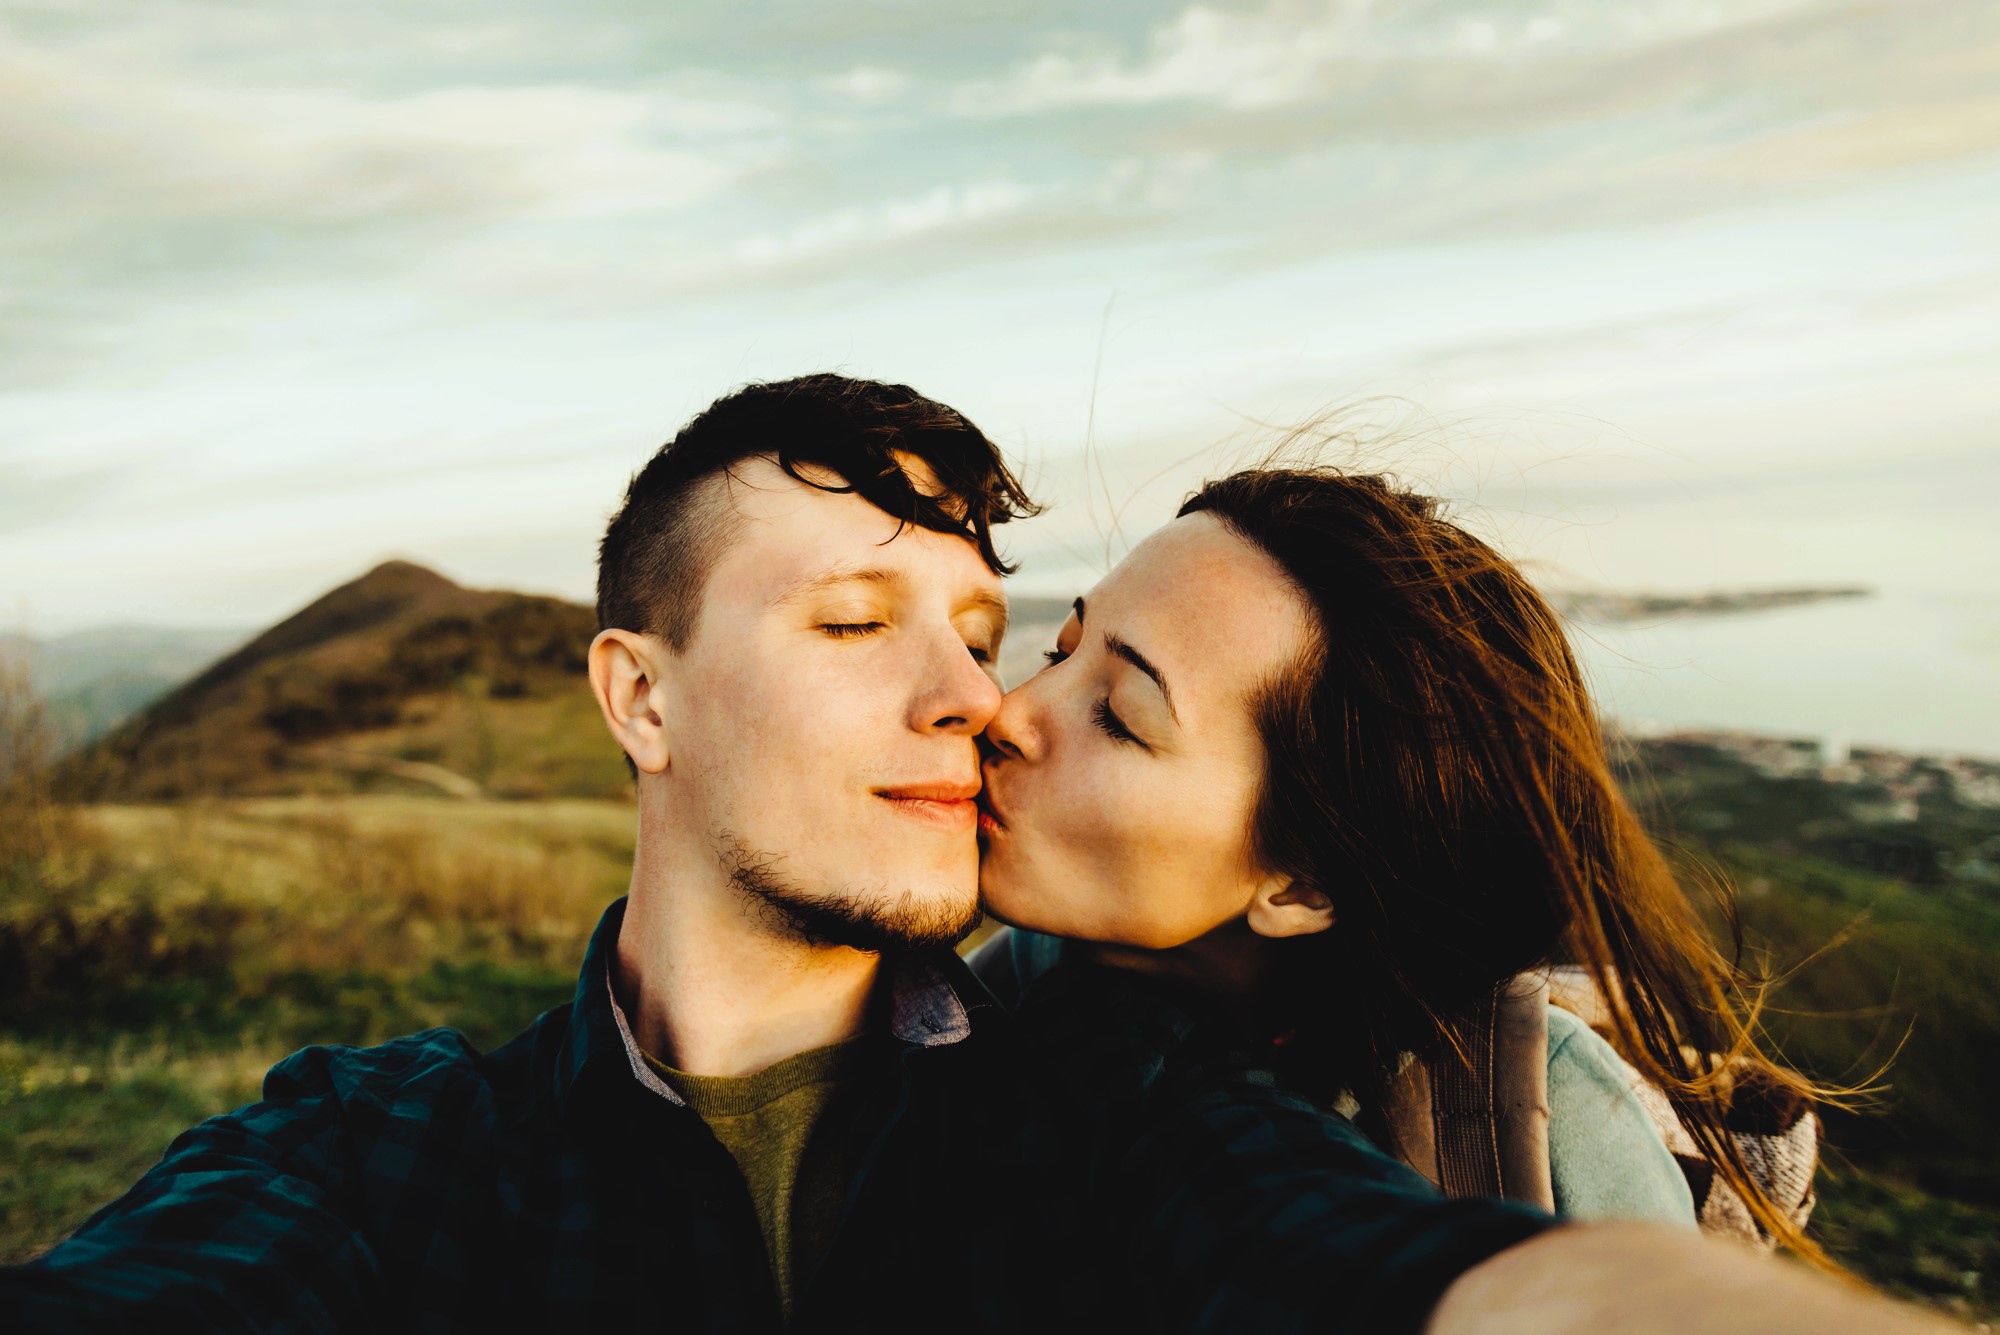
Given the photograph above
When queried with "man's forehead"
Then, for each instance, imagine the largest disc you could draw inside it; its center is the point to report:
(794, 539)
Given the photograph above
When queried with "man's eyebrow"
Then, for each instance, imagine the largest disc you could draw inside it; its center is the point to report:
(986, 600)
(996, 603)
(808, 585)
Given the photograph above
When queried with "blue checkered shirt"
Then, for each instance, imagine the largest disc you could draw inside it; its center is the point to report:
(1101, 1161)
(552, 1184)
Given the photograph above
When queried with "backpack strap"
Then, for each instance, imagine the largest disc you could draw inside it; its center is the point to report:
(1475, 1120)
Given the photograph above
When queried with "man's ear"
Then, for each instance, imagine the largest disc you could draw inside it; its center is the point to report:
(625, 676)
(1282, 906)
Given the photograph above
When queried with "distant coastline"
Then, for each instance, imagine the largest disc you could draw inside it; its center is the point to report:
(1619, 609)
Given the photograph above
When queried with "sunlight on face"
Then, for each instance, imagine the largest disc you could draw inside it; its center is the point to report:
(1127, 773)
(825, 709)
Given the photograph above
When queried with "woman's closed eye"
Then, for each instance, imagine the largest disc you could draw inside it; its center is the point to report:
(1112, 725)
(849, 630)
(1101, 713)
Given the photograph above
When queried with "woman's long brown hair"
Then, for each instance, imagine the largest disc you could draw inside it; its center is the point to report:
(1436, 767)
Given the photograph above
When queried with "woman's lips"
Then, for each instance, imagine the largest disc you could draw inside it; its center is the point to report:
(947, 805)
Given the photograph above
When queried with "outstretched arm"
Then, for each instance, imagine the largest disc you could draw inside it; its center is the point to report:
(1635, 1279)
(1246, 1209)
(239, 1227)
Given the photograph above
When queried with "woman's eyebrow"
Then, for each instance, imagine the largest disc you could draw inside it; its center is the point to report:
(1137, 660)
(1145, 665)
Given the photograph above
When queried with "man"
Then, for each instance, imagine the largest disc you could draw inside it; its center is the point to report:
(800, 607)
(765, 1106)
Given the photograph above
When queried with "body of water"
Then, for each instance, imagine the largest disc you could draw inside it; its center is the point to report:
(1910, 672)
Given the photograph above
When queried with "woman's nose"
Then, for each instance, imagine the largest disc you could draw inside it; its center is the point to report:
(1011, 732)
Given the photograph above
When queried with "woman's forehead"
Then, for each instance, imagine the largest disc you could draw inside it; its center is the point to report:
(1203, 602)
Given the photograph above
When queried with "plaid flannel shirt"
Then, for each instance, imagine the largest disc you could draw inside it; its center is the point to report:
(1157, 1179)
(553, 1184)
(1105, 1163)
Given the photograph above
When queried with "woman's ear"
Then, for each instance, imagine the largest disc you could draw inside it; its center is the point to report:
(1282, 906)
(625, 676)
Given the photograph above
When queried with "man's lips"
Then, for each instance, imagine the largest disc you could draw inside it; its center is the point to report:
(990, 819)
(948, 804)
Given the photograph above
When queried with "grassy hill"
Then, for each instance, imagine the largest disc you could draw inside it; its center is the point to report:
(398, 681)
(1873, 890)
(1870, 890)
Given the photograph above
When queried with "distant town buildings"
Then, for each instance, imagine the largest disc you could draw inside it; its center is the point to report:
(1895, 781)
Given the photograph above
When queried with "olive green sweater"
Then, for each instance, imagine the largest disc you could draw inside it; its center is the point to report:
(782, 1126)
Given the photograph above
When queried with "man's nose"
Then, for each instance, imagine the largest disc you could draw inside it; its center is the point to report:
(963, 699)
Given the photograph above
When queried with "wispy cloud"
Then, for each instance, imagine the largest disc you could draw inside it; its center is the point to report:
(1292, 52)
(110, 126)
(892, 222)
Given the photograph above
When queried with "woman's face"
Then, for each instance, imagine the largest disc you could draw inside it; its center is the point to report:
(1123, 777)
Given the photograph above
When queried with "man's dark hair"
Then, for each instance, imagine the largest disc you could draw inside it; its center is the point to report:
(663, 542)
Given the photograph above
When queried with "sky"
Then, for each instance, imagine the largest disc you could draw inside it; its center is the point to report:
(1666, 295)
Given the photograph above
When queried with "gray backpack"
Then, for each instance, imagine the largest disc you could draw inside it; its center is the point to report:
(1479, 1126)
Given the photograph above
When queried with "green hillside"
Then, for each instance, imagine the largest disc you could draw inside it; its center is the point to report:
(1871, 889)
(398, 681)
(1876, 884)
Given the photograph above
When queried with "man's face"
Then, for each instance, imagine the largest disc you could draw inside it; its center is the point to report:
(822, 717)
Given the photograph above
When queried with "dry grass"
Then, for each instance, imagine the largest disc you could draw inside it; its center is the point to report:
(261, 888)
(103, 907)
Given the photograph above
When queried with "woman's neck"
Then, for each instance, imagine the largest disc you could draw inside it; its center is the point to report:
(1229, 965)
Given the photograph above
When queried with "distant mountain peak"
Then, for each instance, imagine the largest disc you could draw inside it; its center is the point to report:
(402, 573)
(397, 675)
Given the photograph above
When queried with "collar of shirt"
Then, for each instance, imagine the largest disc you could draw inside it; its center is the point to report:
(931, 996)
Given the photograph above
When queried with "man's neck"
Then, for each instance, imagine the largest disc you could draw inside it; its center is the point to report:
(712, 988)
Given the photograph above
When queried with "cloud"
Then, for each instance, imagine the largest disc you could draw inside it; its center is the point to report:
(889, 223)
(1805, 93)
(1203, 55)
(109, 126)
(1291, 52)
(1889, 139)
(534, 169)
(143, 181)
(869, 83)
(899, 241)
(1395, 141)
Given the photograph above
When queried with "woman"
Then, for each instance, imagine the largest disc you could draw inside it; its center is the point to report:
(1321, 753)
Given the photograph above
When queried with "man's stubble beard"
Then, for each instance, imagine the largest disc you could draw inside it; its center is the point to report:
(878, 924)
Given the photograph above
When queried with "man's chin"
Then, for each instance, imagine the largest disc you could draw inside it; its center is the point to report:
(904, 923)
(871, 917)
